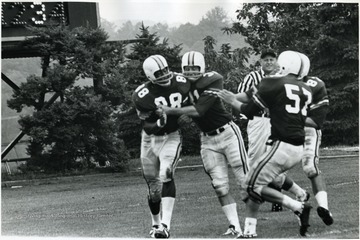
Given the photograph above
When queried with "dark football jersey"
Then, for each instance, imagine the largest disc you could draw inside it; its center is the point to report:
(148, 96)
(287, 100)
(211, 109)
(320, 102)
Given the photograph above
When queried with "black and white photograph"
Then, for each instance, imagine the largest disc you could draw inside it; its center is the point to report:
(188, 119)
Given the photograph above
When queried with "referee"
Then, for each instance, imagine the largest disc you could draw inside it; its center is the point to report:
(258, 128)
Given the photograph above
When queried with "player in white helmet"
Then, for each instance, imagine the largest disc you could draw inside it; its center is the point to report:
(221, 140)
(259, 127)
(193, 65)
(160, 139)
(287, 99)
(157, 70)
(316, 116)
(314, 122)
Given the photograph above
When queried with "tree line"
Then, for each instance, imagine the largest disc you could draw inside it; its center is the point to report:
(99, 123)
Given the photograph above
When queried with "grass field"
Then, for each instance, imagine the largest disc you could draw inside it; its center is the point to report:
(114, 206)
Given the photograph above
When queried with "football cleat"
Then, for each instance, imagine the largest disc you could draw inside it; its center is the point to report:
(152, 231)
(162, 232)
(304, 219)
(325, 215)
(231, 231)
(276, 207)
(304, 198)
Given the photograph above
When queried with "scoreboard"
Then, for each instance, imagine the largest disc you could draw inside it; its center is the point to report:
(15, 16)
(31, 13)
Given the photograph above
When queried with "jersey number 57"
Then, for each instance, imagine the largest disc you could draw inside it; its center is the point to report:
(292, 93)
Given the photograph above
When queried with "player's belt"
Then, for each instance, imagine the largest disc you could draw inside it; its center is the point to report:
(217, 131)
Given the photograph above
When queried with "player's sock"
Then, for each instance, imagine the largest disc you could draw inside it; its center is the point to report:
(156, 219)
(321, 198)
(155, 212)
(292, 204)
(167, 207)
(230, 211)
(168, 201)
(250, 226)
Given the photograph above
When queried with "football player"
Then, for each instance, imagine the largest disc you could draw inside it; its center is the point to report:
(310, 162)
(221, 140)
(259, 128)
(160, 139)
(287, 98)
(316, 116)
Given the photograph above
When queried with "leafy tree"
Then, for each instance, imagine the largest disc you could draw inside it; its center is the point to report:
(328, 34)
(144, 49)
(186, 34)
(231, 64)
(127, 30)
(74, 133)
(78, 129)
(110, 28)
(214, 21)
(161, 30)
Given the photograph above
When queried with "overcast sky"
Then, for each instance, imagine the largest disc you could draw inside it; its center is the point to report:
(165, 11)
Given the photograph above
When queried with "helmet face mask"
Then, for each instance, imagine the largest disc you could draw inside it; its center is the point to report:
(157, 70)
(193, 65)
(192, 72)
(163, 77)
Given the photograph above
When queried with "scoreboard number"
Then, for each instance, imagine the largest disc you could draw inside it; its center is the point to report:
(31, 13)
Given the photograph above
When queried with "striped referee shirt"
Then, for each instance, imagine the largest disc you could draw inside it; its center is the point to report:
(252, 79)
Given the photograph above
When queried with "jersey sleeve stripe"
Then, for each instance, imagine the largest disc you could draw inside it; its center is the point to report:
(319, 104)
(258, 101)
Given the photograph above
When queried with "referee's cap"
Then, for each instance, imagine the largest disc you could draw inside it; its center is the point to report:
(268, 52)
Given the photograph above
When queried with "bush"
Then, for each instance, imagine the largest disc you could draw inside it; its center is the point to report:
(72, 134)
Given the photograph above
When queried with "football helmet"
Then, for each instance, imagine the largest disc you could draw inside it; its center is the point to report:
(305, 66)
(289, 63)
(157, 70)
(193, 65)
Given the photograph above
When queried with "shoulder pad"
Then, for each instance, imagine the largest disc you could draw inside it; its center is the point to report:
(207, 79)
